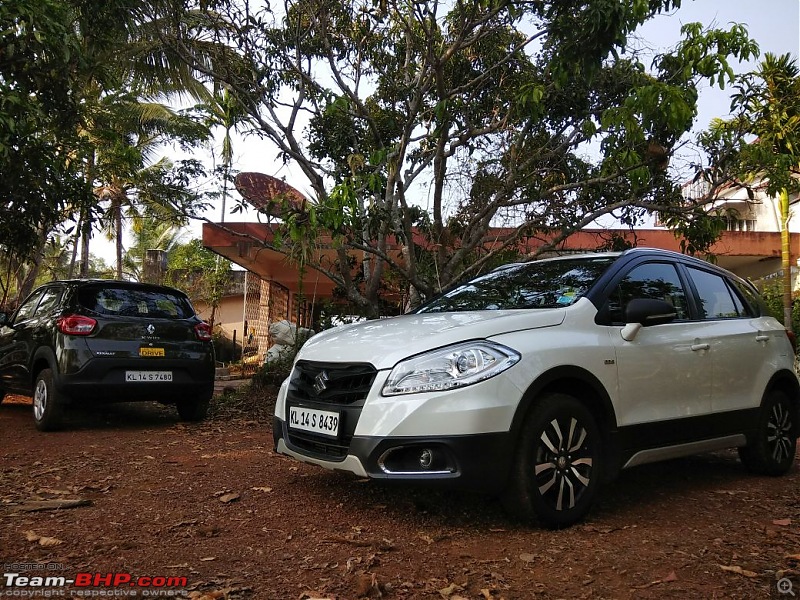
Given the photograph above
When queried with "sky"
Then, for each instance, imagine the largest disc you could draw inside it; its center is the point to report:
(774, 24)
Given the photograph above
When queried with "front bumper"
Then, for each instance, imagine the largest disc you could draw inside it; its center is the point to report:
(480, 462)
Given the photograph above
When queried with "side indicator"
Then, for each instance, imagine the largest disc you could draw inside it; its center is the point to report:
(609, 361)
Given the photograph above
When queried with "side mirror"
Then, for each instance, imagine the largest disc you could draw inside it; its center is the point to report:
(645, 312)
(3, 319)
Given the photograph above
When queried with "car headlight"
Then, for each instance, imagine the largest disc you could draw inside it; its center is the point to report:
(449, 367)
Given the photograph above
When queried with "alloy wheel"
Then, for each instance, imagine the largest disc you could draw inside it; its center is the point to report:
(563, 467)
(779, 432)
(39, 400)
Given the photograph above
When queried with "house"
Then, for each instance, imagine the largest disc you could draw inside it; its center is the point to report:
(751, 209)
(275, 289)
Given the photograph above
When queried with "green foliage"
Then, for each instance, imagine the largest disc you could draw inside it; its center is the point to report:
(760, 145)
(200, 273)
(39, 112)
(481, 112)
(772, 293)
(697, 230)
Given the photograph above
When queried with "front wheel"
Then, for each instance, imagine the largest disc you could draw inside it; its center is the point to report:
(47, 402)
(193, 410)
(557, 466)
(772, 448)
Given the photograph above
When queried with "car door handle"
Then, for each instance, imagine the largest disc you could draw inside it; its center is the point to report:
(697, 347)
(762, 338)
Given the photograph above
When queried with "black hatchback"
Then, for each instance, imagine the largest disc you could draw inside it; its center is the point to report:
(106, 341)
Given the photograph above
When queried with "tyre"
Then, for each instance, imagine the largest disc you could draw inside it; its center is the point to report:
(557, 466)
(772, 448)
(192, 410)
(47, 402)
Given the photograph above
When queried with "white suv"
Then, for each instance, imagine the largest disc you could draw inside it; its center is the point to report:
(541, 379)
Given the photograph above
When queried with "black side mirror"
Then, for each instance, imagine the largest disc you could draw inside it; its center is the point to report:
(3, 319)
(648, 311)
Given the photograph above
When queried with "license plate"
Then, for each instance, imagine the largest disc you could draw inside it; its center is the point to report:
(147, 376)
(151, 352)
(322, 422)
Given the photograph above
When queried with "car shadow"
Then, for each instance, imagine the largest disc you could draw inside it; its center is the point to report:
(96, 416)
(644, 492)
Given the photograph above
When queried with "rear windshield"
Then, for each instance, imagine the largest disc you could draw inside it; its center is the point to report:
(543, 284)
(132, 302)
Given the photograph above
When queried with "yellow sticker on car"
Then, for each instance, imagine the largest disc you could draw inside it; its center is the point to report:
(151, 352)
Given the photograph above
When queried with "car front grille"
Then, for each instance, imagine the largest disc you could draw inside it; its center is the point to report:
(338, 387)
(331, 383)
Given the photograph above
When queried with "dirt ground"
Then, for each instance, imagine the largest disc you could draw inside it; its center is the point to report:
(211, 503)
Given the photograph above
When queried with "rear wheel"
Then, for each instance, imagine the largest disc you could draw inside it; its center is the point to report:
(193, 410)
(772, 449)
(557, 466)
(47, 402)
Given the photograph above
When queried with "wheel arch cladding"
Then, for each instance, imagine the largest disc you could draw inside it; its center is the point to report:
(43, 359)
(584, 387)
(787, 382)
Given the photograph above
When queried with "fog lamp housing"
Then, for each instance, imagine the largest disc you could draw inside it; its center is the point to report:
(426, 459)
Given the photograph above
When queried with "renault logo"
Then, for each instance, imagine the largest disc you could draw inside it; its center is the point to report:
(321, 382)
(150, 329)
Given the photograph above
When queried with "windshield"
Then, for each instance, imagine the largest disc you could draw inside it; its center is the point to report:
(541, 284)
(134, 302)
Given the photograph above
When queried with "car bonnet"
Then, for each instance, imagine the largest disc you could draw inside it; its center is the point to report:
(385, 342)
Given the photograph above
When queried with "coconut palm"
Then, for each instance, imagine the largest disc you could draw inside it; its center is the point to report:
(129, 177)
(769, 100)
(136, 68)
(224, 110)
(149, 233)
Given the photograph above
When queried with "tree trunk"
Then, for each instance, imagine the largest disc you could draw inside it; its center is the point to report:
(86, 236)
(75, 242)
(117, 208)
(30, 278)
(786, 261)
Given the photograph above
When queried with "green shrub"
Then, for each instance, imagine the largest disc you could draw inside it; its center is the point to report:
(772, 293)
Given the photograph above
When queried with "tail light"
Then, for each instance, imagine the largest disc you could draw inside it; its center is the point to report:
(76, 325)
(792, 340)
(203, 332)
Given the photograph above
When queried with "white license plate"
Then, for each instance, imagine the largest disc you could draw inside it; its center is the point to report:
(323, 422)
(147, 376)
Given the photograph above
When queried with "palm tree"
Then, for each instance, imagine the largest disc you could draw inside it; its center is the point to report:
(127, 40)
(225, 111)
(769, 100)
(129, 180)
(149, 233)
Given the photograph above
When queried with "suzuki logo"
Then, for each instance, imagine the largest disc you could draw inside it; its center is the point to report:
(150, 329)
(321, 382)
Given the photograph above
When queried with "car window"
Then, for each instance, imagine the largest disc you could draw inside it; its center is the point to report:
(25, 310)
(134, 302)
(49, 301)
(539, 284)
(751, 300)
(657, 281)
(716, 299)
